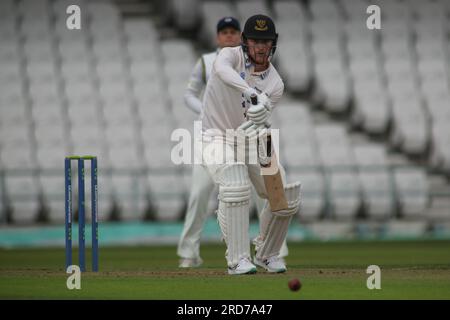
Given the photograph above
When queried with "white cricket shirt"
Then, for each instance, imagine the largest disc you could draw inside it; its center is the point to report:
(232, 74)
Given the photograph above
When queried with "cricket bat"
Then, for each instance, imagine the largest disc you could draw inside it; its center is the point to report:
(271, 173)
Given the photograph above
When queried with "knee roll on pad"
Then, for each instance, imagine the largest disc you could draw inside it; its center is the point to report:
(234, 194)
(292, 193)
(235, 187)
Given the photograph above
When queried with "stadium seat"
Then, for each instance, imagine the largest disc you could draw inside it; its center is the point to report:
(410, 132)
(397, 48)
(10, 45)
(364, 65)
(36, 25)
(167, 194)
(79, 72)
(53, 195)
(74, 51)
(23, 196)
(375, 180)
(51, 133)
(11, 91)
(153, 114)
(296, 137)
(13, 111)
(150, 100)
(291, 113)
(51, 157)
(85, 114)
(412, 191)
(3, 200)
(74, 37)
(10, 71)
(337, 158)
(60, 6)
(103, 12)
(139, 30)
(17, 135)
(156, 156)
(326, 9)
(344, 195)
(377, 195)
(41, 72)
(246, 9)
(178, 50)
(438, 107)
(7, 7)
(312, 193)
(93, 146)
(124, 158)
(371, 111)
(294, 64)
(130, 193)
(211, 12)
(111, 72)
(303, 156)
(333, 84)
(354, 10)
(288, 10)
(186, 14)
(124, 135)
(330, 135)
(41, 91)
(440, 154)
(39, 50)
(144, 71)
(114, 93)
(362, 48)
(431, 49)
(108, 51)
(13, 157)
(86, 134)
(116, 116)
(396, 28)
(431, 28)
(143, 51)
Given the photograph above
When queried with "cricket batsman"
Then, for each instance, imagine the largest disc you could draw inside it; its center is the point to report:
(228, 35)
(243, 88)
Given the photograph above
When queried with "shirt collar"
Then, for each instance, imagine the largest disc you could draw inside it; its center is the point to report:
(262, 74)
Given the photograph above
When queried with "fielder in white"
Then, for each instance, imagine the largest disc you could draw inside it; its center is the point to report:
(228, 35)
(238, 74)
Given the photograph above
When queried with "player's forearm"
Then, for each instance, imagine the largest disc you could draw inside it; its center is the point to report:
(193, 102)
(224, 68)
(230, 77)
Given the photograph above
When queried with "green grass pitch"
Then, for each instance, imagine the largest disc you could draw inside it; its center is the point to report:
(328, 270)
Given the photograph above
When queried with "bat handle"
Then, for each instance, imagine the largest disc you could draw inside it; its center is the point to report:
(254, 99)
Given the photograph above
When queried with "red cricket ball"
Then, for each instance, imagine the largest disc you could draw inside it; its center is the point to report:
(294, 284)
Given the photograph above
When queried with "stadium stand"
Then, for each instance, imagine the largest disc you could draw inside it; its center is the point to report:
(364, 121)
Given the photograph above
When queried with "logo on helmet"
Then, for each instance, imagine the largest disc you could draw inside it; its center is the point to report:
(261, 25)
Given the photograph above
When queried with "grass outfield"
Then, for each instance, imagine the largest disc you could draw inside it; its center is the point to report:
(328, 270)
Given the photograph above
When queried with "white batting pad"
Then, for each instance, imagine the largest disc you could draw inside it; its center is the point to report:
(274, 226)
(236, 228)
(233, 212)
